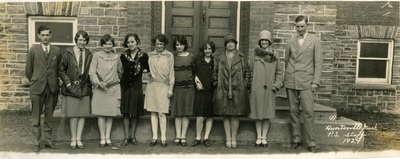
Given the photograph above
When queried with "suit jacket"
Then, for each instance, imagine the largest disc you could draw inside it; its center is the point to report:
(42, 69)
(303, 63)
(70, 73)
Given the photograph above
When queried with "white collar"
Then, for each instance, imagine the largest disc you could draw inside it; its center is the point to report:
(304, 36)
(46, 47)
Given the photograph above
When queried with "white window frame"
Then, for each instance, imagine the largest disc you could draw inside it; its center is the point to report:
(389, 63)
(33, 19)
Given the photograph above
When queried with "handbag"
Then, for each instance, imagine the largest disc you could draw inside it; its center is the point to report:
(76, 89)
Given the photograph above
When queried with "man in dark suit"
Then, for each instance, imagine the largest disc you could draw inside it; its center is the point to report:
(303, 62)
(42, 71)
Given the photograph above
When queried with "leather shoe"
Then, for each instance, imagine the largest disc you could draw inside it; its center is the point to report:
(36, 148)
(207, 143)
(80, 145)
(195, 143)
(164, 143)
(183, 142)
(177, 141)
(49, 145)
(153, 142)
(125, 142)
(296, 145)
(312, 149)
(132, 141)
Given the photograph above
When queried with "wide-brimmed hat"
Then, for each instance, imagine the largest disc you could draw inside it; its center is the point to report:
(229, 37)
(266, 35)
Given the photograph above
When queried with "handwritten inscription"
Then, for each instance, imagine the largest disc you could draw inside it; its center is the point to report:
(349, 134)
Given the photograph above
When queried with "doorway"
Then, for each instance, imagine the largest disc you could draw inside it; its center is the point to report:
(200, 21)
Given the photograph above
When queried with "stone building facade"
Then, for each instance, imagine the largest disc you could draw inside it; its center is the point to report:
(340, 25)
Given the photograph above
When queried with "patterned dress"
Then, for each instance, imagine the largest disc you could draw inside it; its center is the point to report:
(132, 97)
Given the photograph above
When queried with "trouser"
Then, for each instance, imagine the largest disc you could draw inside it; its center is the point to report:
(305, 99)
(43, 103)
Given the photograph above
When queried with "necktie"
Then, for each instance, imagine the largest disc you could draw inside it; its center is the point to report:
(80, 64)
(46, 51)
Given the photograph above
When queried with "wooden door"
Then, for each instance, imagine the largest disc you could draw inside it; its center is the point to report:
(182, 18)
(218, 19)
(200, 21)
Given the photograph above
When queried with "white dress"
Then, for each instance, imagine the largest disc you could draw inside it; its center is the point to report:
(162, 80)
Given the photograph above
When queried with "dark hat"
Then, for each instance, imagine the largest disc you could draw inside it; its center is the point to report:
(229, 37)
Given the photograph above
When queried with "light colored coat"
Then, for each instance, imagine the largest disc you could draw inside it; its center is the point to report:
(266, 75)
(303, 63)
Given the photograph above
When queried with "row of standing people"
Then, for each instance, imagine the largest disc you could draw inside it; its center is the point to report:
(107, 84)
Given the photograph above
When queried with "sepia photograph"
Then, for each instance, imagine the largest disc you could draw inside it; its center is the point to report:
(218, 79)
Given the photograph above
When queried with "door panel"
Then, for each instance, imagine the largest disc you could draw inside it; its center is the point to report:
(221, 20)
(200, 21)
(182, 18)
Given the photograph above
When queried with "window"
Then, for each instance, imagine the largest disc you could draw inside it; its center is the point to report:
(374, 61)
(63, 30)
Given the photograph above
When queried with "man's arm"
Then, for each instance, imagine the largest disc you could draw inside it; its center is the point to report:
(317, 62)
(29, 64)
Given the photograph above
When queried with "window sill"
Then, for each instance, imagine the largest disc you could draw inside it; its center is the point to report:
(374, 86)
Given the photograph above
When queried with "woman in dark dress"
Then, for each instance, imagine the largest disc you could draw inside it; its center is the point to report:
(134, 63)
(183, 98)
(203, 107)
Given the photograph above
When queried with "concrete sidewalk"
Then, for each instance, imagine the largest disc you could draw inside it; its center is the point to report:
(15, 142)
(392, 154)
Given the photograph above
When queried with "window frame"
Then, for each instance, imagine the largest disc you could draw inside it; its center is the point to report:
(389, 63)
(32, 22)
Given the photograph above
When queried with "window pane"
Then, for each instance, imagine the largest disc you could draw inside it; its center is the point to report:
(372, 69)
(63, 47)
(377, 50)
(61, 31)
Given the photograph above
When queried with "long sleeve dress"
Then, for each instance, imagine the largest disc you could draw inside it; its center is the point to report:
(203, 101)
(132, 98)
(184, 92)
(161, 81)
(105, 68)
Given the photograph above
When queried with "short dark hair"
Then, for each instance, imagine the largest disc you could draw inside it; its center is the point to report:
(105, 38)
(160, 37)
(42, 28)
(259, 42)
(301, 18)
(204, 46)
(182, 40)
(231, 40)
(82, 33)
(137, 39)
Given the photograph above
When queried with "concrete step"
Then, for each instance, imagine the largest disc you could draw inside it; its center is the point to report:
(341, 132)
(321, 112)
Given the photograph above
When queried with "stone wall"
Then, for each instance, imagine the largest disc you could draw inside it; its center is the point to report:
(336, 23)
(97, 18)
(348, 96)
(278, 17)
